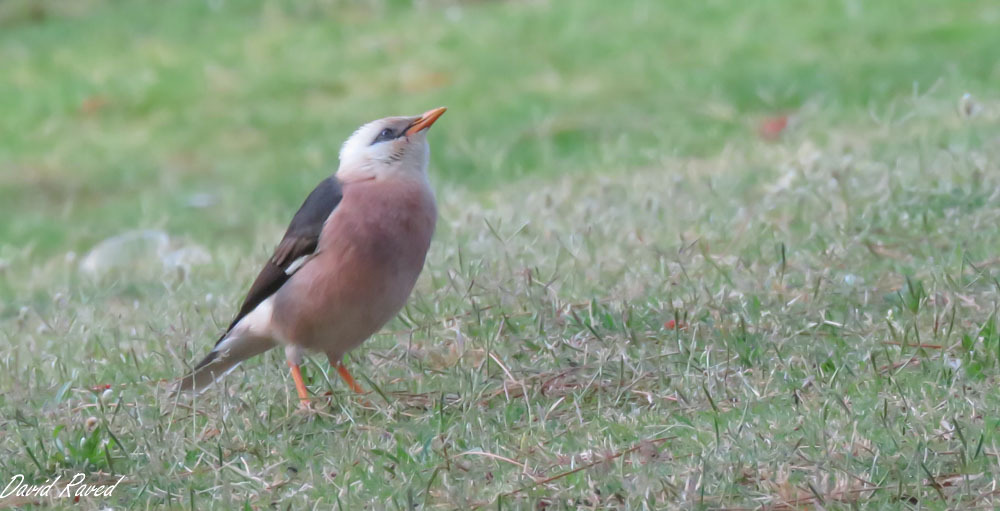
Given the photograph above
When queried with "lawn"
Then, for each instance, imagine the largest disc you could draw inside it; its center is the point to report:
(636, 298)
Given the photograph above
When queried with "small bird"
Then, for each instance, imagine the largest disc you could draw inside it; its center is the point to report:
(347, 261)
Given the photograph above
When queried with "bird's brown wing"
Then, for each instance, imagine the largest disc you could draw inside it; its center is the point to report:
(300, 240)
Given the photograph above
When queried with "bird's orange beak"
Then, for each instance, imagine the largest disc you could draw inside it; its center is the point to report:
(425, 120)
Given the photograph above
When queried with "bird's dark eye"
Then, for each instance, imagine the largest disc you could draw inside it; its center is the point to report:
(386, 134)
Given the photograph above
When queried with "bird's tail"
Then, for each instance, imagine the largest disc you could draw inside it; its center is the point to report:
(226, 355)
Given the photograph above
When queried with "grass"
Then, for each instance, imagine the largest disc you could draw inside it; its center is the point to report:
(632, 301)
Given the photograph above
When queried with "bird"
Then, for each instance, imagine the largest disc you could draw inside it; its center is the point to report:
(347, 262)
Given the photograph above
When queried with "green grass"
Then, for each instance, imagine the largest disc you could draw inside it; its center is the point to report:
(600, 174)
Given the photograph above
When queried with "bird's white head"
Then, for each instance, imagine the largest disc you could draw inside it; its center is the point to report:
(392, 147)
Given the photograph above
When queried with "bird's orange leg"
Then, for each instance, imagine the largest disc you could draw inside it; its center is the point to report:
(346, 375)
(300, 386)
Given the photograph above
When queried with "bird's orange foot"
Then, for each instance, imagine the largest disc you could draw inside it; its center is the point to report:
(346, 375)
(349, 380)
(300, 386)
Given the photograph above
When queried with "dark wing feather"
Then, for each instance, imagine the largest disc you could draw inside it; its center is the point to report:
(300, 239)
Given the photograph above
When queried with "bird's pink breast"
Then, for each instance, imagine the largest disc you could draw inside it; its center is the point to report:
(370, 254)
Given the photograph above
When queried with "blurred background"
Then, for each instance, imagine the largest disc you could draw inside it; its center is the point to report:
(205, 118)
(744, 252)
